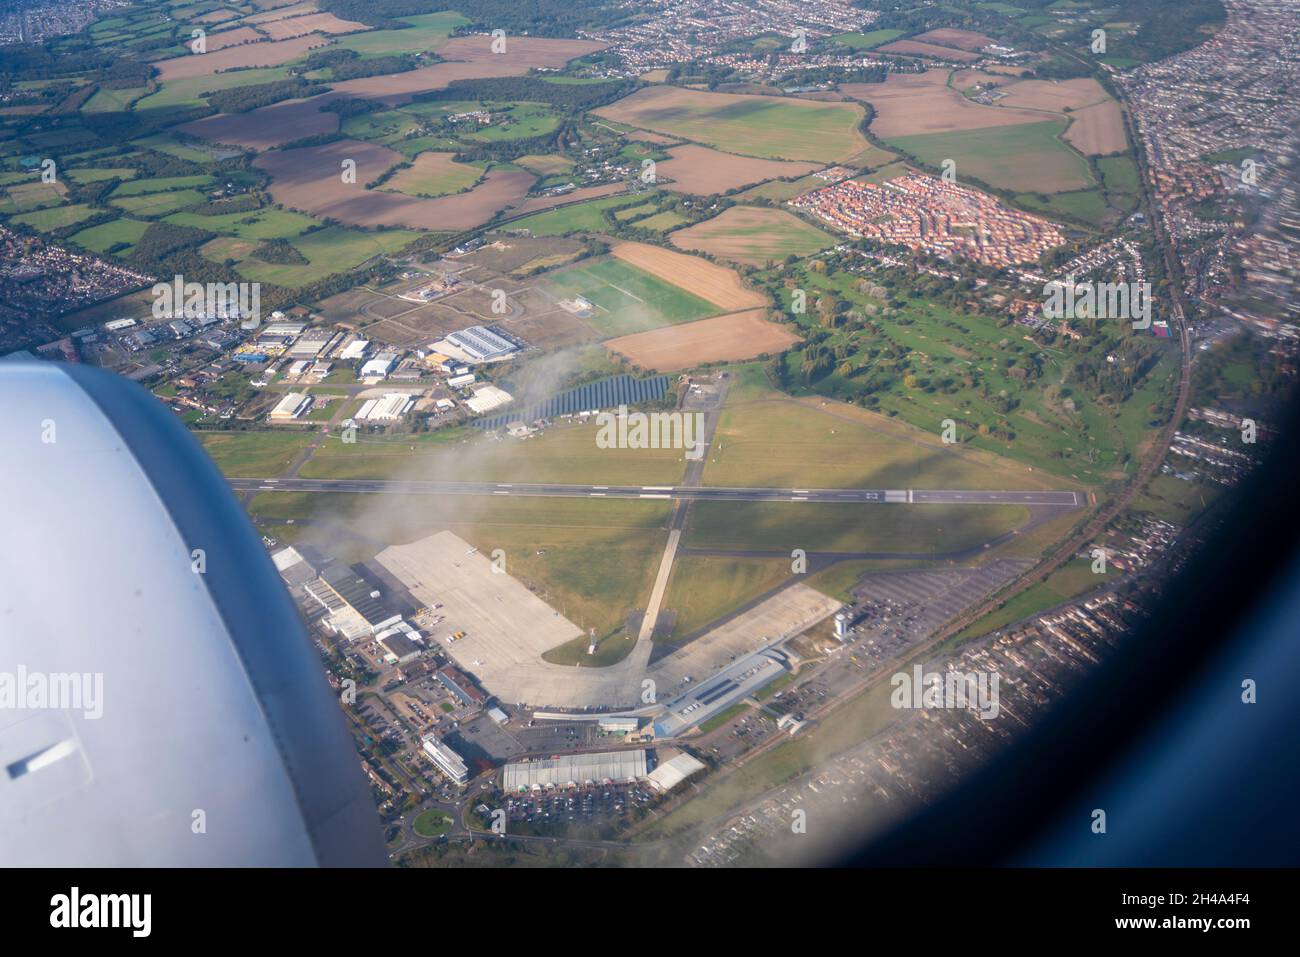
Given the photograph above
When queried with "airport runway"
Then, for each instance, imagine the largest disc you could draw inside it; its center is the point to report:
(693, 493)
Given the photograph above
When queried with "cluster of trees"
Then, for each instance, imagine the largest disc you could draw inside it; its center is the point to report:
(241, 99)
(161, 240)
(345, 64)
(280, 252)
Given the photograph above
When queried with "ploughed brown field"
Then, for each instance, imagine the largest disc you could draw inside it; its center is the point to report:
(1054, 95)
(470, 58)
(951, 37)
(310, 180)
(701, 170)
(268, 126)
(910, 104)
(712, 283)
(731, 338)
(912, 48)
(266, 53)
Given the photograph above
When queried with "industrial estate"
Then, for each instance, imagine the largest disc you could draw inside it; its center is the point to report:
(625, 397)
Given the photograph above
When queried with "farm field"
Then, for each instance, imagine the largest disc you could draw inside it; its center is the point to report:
(627, 299)
(434, 174)
(546, 165)
(967, 40)
(308, 179)
(731, 338)
(754, 236)
(867, 41)
(1098, 129)
(22, 197)
(158, 204)
(328, 251)
(469, 57)
(55, 217)
(909, 104)
(102, 238)
(426, 32)
(766, 127)
(931, 50)
(716, 284)
(661, 222)
(189, 90)
(269, 126)
(700, 170)
(265, 54)
(1026, 157)
(265, 223)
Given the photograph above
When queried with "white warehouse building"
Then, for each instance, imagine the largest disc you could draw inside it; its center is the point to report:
(387, 408)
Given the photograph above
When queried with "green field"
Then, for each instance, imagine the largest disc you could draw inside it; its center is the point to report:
(763, 126)
(1088, 205)
(24, 197)
(431, 823)
(567, 454)
(426, 33)
(661, 222)
(627, 299)
(194, 152)
(55, 217)
(103, 237)
(703, 588)
(834, 527)
(254, 454)
(1068, 581)
(189, 91)
(436, 180)
(159, 204)
(332, 250)
(842, 447)
(267, 223)
(159, 185)
(113, 101)
(1027, 157)
(867, 41)
(578, 217)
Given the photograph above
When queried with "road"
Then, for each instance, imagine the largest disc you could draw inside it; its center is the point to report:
(691, 493)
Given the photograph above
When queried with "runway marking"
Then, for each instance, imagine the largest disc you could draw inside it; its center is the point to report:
(499, 492)
(643, 495)
(597, 494)
(656, 488)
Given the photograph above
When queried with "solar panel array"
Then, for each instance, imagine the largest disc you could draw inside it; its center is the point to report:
(605, 394)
